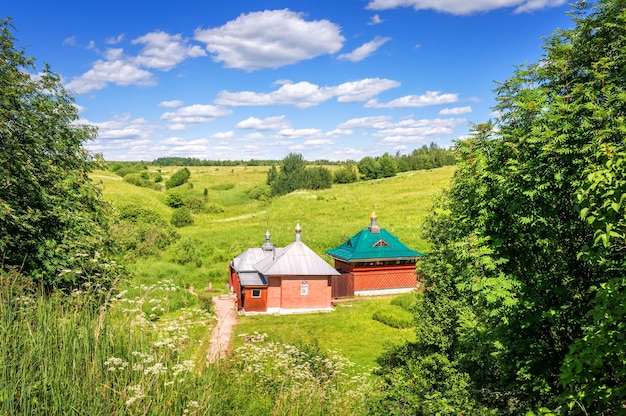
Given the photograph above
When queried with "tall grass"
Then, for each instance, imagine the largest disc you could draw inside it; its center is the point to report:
(67, 355)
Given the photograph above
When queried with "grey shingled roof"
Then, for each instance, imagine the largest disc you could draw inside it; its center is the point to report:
(296, 260)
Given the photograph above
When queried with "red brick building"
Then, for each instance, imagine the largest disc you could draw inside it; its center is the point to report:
(282, 280)
(374, 262)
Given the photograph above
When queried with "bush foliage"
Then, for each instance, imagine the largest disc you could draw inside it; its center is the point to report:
(180, 177)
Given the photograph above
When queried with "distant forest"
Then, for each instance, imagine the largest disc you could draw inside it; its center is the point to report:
(426, 157)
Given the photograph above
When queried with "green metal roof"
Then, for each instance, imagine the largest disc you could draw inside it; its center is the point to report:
(373, 243)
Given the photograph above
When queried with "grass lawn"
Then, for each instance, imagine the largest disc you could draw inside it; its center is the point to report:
(349, 330)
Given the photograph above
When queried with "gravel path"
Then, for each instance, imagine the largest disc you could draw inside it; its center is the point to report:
(223, 330)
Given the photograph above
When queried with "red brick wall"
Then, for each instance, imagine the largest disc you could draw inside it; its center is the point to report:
(373, 280)
(273, 292)
(318, 295)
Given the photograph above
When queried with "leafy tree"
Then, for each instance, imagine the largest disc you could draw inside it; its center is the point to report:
(526, 277)
(388, 166)
(369, 168)
(292, 175)
(272, 174)
(51, 214)
(318, 177)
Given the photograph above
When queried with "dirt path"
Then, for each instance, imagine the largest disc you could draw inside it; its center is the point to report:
(226, 319)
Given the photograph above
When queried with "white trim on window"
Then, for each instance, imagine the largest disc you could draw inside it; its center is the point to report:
(256, 293)
(304, 288)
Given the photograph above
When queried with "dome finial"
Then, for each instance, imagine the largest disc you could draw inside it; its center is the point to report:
(298, 231)
(374, 228)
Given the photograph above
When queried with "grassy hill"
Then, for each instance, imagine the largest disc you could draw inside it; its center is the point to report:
(328, 217)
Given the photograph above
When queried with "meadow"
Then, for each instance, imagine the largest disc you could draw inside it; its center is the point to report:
(328, 217)
(142, 348)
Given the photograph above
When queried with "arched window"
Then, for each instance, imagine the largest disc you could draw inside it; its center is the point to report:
(304, 288)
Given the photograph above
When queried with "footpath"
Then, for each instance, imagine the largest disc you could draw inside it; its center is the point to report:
(224, 307)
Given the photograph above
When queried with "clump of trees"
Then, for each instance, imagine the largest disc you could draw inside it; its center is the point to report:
(178, 178)
(294, 174)
(53, 221)
(524, 306)
(346, 174)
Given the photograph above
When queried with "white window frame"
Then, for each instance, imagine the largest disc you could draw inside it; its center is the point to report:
(252, 294)
(304, 289)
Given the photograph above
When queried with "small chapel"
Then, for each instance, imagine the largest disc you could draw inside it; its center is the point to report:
(294, 279)
(374, 262)
(282, 280)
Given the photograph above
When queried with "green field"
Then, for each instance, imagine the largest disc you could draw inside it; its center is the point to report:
(328, 217)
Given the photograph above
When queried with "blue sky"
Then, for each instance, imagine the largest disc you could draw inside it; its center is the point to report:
(250, 79)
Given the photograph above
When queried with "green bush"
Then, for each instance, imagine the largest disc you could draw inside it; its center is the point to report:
(205, 301)
(187, 251)
(142, 179)
(395, 318)
(180, 177)
(181, 217)
(260, 192)
(213, 208)
(194, 203)
(174, 200)
(141, 232)
(345, 174)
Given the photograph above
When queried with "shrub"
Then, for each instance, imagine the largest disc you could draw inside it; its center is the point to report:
(346, 174)
(180, 177)
(195, 204)
(395, 318)
(187, 251)
(213, 208)
(141, 232)
(174, 200)
(260, 192)
(143, 180)
(181, 217)
(206, 302)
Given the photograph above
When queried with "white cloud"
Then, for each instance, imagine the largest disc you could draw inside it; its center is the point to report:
(114, 40)
(361, 90)
(122, 128)
(455, 111)
(161, 51)
(164, 51)
(365, 50)
(318, 142)
(69, 41)
(118, 72)
(377, 122)
(224, 135)
(428, 99)
(270, 39)
(375, 20)
(461, 7)
(194, 114)
(171, 103)
(411, 131)
(299, 133)
(270, 123)
(305, 94)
